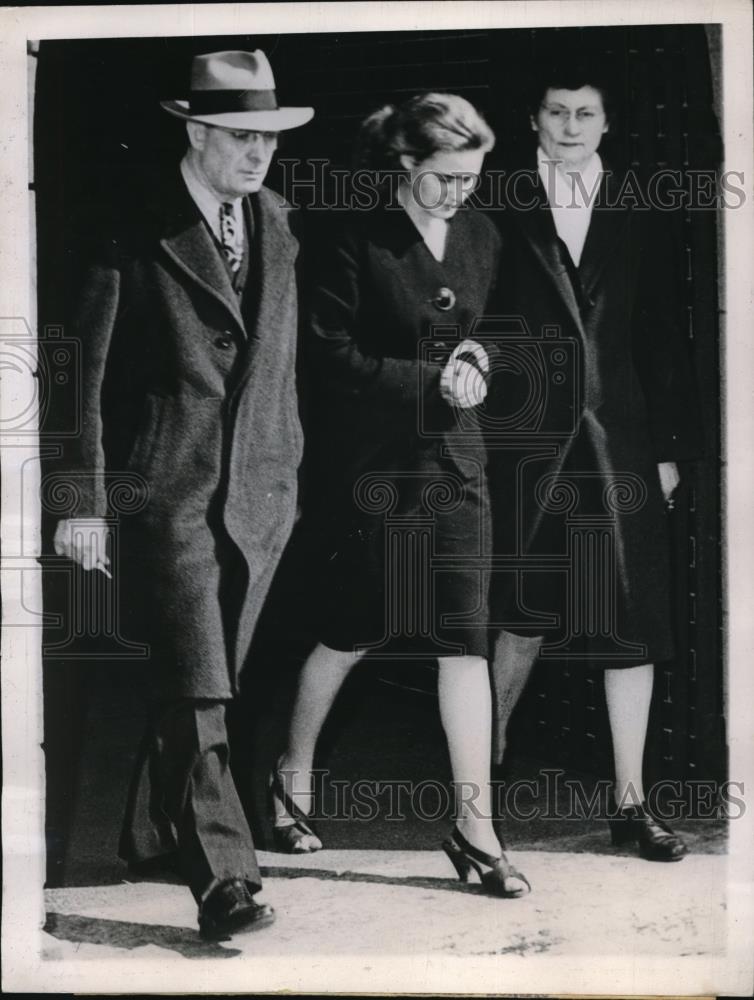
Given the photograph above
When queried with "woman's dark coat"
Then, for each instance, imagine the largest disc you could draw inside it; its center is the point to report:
(384, 444)
(189, 396)
(581, 435)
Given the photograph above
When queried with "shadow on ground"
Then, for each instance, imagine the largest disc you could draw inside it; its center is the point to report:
(129, 935)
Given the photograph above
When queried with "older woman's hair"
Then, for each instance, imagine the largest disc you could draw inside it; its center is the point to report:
(422, 126)
(572, 74)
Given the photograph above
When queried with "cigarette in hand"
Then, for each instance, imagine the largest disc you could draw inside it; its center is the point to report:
(103, 569)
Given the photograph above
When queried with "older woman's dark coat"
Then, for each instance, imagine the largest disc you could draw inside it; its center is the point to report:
(189, 397)
(580, 431)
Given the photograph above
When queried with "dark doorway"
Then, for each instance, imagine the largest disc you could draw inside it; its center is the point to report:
(100, 134)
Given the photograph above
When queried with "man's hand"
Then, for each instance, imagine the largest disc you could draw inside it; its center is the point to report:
(85, 541)
(462, 383)
(669, 479)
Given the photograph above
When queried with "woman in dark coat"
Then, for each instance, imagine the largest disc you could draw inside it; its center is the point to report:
(579, 485)
(397, 380)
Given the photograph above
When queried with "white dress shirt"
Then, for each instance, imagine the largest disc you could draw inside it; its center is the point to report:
(571, 202)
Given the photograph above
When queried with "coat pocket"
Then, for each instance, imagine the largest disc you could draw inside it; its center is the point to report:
(184, 465)
(142, 450)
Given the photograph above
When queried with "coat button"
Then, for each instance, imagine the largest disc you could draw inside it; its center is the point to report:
(223, 342)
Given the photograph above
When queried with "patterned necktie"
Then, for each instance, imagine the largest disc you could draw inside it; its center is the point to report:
(230, 237)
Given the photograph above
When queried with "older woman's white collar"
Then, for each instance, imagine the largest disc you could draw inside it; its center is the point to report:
(571, 195)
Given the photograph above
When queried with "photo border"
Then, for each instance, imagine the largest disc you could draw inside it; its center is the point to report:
(23, 764)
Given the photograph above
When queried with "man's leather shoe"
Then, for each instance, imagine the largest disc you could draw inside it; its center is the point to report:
(230, 908)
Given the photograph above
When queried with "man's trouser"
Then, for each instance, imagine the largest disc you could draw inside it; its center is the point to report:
(183, 803)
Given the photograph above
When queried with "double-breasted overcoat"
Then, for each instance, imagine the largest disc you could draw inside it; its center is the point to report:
(188, 393)
(596, 391)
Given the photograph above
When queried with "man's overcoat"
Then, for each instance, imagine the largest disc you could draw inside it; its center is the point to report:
(190, 392)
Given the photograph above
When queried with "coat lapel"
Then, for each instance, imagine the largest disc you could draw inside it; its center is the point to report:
(606, 231)
(607, 228)
(275, 250)
(535, 222)
(186, 240)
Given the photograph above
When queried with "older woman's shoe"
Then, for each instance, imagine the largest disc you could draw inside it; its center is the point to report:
(230, 909)
(654, 838)
(497, 875)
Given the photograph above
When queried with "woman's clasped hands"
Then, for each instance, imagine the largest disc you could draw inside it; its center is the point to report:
(462, 382)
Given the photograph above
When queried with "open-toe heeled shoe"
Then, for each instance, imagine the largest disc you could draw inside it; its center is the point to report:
(497, 875)
(294, 837)
(653, 837)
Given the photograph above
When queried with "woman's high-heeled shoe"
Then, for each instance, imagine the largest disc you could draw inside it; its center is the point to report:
(497, 875)
(291, 837)
(655, 839)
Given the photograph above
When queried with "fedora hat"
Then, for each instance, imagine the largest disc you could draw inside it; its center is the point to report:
(236, 90)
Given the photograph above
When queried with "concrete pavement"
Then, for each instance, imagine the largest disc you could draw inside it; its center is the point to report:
(406, 903)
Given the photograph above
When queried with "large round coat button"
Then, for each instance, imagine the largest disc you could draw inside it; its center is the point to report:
(445, 299)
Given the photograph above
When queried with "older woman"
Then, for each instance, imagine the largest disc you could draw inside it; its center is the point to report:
(587, 477)
(404, 458)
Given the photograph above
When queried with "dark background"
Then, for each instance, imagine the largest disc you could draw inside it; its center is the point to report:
(99, 138)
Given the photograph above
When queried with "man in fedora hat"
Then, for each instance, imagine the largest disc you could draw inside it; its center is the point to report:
(188, 334)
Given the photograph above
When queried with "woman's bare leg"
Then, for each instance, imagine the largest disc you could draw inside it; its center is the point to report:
(629, 693)
(466, 714)
(321, 679)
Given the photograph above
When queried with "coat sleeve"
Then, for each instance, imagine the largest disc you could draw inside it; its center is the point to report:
(494, 304)
(338, 357)
(661, 355)
(93, 326)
